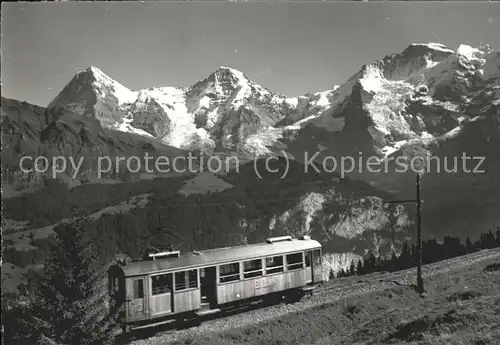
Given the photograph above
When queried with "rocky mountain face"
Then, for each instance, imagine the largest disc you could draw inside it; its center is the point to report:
(345, 215)
(92, 153)
(427, 99)
(422, 94)
(224, 112)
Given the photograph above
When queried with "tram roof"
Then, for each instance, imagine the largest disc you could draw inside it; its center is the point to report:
(217, 256)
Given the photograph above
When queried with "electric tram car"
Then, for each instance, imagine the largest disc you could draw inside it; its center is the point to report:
(172, 286)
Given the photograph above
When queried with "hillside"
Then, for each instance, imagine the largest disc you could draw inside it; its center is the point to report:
(60, 135)
(460, 307)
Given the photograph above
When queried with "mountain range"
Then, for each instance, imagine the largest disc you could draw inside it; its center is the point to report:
(426, 99)
(223, 112)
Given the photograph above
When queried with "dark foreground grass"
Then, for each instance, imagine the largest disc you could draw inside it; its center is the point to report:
(461, 307)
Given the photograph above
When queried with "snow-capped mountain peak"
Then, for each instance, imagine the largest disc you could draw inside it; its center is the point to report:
(229, 70)
(434, 46)
(92, 92)
(97, 72)
(470, 57)
(225, 83)
(105, 84)
(227, 110)
(234, 79)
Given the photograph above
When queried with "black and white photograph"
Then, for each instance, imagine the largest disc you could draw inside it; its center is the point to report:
(250, 172)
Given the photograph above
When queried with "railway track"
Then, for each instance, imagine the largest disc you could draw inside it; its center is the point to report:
(409, 275)
(330, 292)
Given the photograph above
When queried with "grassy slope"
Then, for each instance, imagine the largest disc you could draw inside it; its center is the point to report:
(462, 307)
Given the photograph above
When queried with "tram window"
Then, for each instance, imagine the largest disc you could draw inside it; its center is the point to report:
(317, 257)
(274, 264)
(229, 272)
(186, 280)
(115, 284)
(138, 289)
(161, 284)
(252, 268)
(294, 261)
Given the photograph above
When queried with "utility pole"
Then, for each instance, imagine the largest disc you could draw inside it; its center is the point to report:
(418, 201)
(420, 281)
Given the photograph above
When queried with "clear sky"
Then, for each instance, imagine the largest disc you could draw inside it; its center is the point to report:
(290, 48)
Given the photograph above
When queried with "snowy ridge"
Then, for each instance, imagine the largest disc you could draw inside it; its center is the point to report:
(435, 46)
(308, 109)
(470, 54)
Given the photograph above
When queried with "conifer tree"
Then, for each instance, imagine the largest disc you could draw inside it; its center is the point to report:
(405, 257)
(359, 267)
(369, 264)
(70, 304)
(468, 245)
(352, 269)
(392, 266)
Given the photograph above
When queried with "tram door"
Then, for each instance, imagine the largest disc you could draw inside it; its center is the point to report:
(309, 268)
(117, 288)
(317, 266)
(208, 279)
(136, 301)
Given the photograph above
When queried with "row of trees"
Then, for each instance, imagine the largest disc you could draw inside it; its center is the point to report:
(432, 251)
